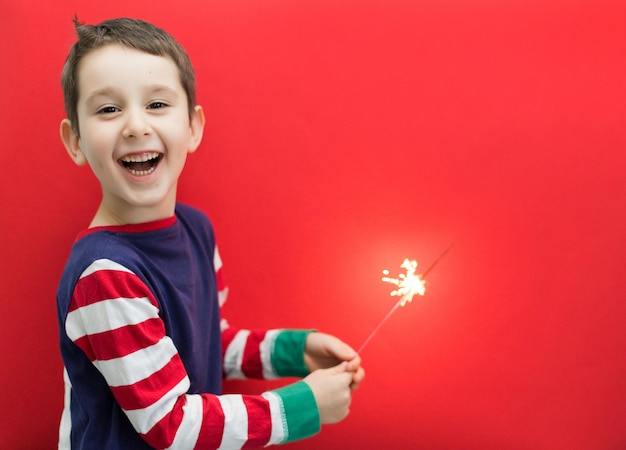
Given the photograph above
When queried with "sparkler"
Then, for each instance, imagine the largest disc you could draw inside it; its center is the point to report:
(408, 285)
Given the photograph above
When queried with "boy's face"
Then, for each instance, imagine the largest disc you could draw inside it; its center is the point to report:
(135, 130)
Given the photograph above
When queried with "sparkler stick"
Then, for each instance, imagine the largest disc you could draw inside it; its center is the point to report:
(408, 284)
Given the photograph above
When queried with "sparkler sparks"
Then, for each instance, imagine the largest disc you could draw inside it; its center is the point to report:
(409, 284)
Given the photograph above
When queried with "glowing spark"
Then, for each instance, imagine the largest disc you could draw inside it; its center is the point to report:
(408, 284)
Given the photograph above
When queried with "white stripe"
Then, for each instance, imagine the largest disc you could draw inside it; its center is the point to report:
(222, 296)
(108, 315)
(279, 428)
(65, 427)
(138, 365)
(189, 430)
(217, 260)
(144, 419)
(103, 264)
(236, 422)
(266, 354)
(233, 357)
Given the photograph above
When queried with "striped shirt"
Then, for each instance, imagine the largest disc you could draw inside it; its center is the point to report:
(145, 349)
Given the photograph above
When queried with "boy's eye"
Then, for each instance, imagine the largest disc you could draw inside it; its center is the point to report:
(108, 110)
(157, 105)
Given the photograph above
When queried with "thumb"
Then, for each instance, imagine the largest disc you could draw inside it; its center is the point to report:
(341, 373)
(340, 368)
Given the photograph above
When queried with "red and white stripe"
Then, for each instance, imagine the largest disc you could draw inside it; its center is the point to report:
(247, 353)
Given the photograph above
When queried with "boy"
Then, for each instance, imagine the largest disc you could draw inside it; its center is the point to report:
(141, 337)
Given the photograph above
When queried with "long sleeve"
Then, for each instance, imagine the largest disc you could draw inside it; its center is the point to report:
(264, 354)
(114, 319)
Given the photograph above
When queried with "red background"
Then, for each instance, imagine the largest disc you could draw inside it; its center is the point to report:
(343, 136)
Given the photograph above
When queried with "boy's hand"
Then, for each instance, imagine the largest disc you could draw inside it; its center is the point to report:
(331, 389)
(324, 351)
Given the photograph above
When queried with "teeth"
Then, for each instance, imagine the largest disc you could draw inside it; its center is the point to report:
(139, 173)
(142, 157)
(141, 164)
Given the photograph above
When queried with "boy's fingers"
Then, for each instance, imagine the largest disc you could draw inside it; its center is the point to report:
(357, 377)
(341, 350)
(354, 363)
(349, 353)
(341, 370)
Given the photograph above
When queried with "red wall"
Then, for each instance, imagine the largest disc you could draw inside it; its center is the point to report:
(343, 136)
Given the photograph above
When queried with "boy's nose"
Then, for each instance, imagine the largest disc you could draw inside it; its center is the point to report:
(136, 125)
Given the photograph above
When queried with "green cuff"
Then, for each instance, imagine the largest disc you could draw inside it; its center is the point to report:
(287, 354)
(299, 410)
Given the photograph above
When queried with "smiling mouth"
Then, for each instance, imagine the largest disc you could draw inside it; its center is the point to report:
(141, 164)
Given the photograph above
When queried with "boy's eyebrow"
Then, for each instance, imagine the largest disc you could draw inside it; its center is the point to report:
(158, 88)
(104, 92)
(111, 92)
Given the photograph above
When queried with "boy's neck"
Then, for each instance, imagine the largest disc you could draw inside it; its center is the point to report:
(107, 216)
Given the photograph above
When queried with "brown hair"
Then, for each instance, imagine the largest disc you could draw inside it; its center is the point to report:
(132, 33)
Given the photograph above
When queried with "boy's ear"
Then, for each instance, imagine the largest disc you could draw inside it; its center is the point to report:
(72, 143)
(196, 125)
